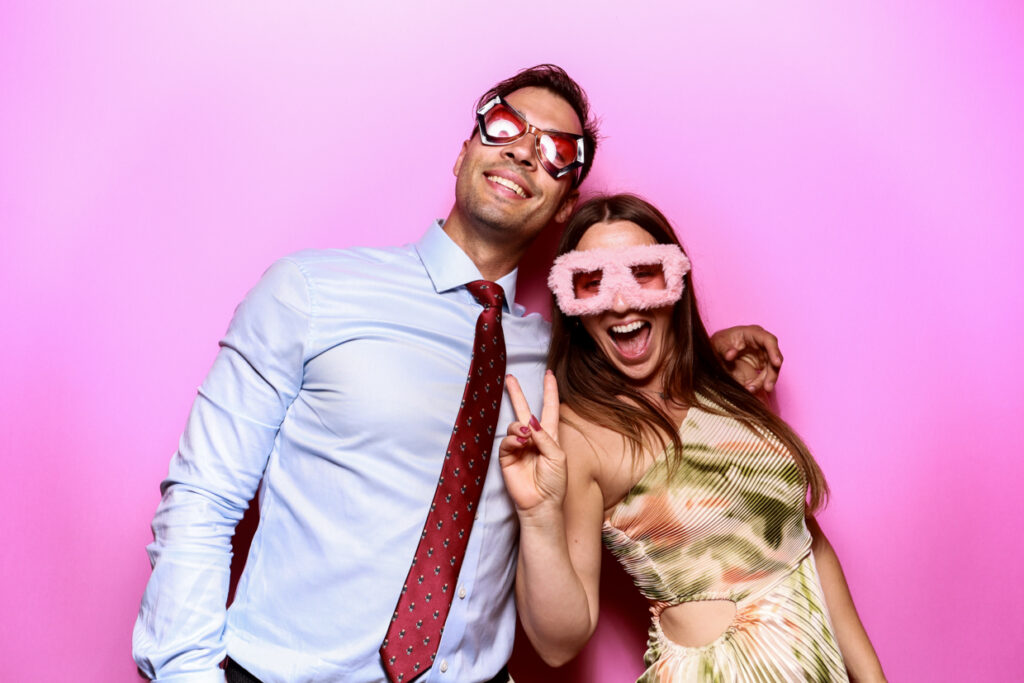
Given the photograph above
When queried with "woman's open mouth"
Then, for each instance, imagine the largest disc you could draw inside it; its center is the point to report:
(631, 339)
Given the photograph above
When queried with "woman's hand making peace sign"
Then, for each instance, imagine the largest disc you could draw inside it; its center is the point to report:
(532, 462)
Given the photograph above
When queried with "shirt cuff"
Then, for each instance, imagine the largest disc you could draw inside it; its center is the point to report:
(215, 676)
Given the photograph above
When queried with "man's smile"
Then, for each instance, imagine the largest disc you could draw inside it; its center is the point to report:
(508, 183)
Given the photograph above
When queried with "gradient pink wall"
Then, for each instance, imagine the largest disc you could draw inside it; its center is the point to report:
(850, 177)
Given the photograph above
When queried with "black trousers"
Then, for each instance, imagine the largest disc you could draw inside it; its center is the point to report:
(236, 674)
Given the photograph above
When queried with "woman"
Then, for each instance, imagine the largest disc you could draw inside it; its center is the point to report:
(701, 492)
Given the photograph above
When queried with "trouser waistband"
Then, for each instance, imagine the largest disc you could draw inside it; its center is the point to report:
(236, 674)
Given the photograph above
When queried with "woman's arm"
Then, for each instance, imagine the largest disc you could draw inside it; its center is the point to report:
(861, 661)
(560, 511)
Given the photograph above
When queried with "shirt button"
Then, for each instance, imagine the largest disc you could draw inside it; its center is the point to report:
(444, 665)
(462, 593)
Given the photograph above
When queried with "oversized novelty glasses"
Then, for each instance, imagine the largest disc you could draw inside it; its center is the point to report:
(500, 124)
(587, 282)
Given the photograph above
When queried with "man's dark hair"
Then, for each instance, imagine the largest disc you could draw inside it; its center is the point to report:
(554, 79)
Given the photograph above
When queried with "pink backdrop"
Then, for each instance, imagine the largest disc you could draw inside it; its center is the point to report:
(850, 177)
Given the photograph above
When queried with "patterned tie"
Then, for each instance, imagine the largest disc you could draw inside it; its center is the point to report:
(418, 622)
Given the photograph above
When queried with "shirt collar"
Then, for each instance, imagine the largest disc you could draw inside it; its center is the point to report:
(448, 267)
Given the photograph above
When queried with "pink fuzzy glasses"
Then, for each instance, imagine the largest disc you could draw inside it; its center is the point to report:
(650, 276)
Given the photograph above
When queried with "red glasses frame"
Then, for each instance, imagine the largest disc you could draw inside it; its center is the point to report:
(538, 135)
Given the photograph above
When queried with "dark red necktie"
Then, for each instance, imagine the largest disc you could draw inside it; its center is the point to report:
(416, 627)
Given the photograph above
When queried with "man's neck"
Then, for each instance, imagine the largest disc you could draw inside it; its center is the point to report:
(493, 259)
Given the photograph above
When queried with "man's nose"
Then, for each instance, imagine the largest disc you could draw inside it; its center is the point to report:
(521, 151)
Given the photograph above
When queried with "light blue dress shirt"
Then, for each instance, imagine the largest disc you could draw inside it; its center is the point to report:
(334, 391)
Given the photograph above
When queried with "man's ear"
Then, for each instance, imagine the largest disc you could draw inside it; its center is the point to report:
(568, 204)
(458, 160)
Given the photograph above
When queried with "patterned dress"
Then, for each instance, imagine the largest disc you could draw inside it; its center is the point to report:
(726, 522)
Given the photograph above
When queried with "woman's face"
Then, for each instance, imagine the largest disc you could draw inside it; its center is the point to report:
(636, 342)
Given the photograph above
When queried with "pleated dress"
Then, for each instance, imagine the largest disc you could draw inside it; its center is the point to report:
(725, 521)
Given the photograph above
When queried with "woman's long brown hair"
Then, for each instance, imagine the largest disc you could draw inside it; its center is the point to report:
(591, 385)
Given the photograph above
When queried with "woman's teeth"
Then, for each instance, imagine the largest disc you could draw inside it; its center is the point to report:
(628, 327)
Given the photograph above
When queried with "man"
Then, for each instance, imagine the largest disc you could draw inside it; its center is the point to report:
(335, 392)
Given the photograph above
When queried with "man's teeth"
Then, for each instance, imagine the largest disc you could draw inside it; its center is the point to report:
(628, 327)
(507, 183)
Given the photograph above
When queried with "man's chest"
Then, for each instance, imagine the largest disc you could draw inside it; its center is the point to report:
(380, 373)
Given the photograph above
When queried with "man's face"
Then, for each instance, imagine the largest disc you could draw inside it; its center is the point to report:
(503, 189)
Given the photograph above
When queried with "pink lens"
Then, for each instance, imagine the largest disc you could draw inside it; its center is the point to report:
(557, 150)
(502, 125)
(649, 276)
(586, 285)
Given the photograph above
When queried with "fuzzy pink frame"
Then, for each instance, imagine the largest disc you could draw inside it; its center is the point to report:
(617, 278)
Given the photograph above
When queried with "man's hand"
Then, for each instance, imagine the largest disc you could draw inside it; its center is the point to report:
(751, 355)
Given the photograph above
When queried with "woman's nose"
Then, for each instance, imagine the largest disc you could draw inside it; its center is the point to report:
(619, 304)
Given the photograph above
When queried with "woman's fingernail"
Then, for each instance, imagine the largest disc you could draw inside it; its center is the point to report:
(521, 439)
(534, 423)
(524, 430)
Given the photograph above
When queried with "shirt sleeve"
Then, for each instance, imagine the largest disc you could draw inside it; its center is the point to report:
(221, 457)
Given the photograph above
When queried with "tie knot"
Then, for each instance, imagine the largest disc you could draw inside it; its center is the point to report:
(487, 293)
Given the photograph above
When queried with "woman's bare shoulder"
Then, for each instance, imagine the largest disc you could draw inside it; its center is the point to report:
(573, 430)
(587, 443)
(575, 426)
